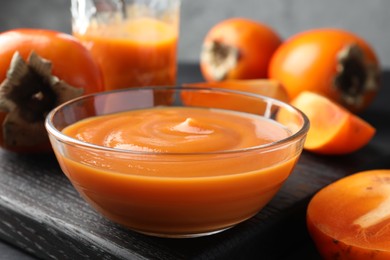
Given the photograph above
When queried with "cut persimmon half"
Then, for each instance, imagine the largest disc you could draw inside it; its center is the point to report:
(350, 218)
(333, 129)
(264, 87)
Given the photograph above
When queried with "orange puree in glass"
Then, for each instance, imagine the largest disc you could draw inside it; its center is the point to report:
(135, 52)
(176, 176)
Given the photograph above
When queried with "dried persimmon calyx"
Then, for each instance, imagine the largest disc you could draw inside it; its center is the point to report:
(221, 57)
(355, 77)
(27, 95)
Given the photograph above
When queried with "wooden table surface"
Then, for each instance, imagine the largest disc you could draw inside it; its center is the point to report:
(42, 214)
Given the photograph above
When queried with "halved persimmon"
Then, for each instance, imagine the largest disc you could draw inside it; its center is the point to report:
(333, 129)
(350, 218)
(264, 87)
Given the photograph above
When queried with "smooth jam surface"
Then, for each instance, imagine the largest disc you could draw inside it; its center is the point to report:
(177, 130)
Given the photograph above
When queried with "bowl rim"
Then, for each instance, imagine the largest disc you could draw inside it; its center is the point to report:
(52, 130)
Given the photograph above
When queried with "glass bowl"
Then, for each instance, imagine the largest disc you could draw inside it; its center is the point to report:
(180, 174)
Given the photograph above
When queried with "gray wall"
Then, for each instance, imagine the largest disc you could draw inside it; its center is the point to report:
(368, 18)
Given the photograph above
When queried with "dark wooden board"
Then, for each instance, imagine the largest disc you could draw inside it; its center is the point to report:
(41, 213)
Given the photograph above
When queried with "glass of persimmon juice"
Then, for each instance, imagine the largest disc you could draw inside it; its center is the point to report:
(177, 161)
(133, 41)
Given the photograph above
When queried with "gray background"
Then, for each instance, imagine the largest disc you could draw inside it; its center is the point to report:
(368, 18)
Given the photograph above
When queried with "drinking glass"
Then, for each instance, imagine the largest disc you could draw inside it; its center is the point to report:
(133, 41)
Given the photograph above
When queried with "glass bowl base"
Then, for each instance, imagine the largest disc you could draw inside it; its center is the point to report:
(194, 235)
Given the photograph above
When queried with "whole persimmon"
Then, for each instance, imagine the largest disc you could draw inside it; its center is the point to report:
(350, 218)
(238, 48)
(39, 69)
(333, 62)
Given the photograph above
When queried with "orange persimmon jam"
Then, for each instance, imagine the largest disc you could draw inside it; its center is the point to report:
(182, 169)
(135, 52)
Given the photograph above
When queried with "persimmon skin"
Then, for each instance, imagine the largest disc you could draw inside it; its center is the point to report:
(255, 43)
(333, 129)
(333, 212)
(310, 61)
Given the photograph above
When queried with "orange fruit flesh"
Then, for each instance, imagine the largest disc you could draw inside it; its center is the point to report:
(265, 87)
(333, 129)
(350, 218)
(235, 102)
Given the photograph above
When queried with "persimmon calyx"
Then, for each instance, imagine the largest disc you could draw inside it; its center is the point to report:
(355, 77)
(221, 58)
(27, 95)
